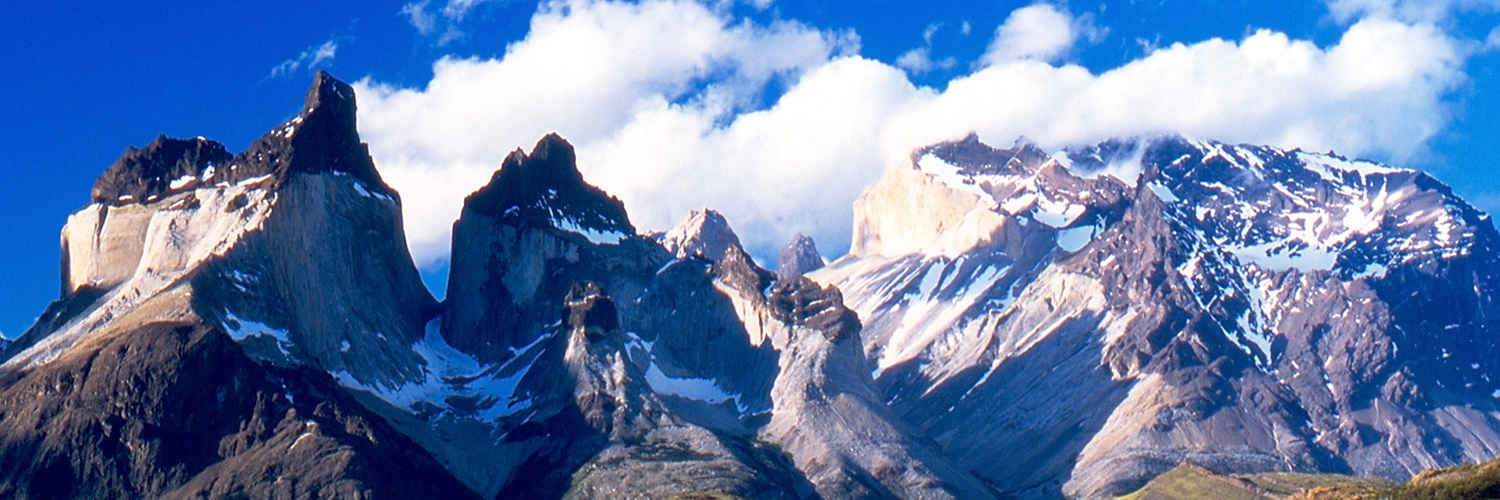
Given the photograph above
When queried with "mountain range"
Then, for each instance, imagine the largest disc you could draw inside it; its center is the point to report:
(1009, 323)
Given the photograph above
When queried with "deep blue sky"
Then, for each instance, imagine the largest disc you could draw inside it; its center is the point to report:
(85, 80)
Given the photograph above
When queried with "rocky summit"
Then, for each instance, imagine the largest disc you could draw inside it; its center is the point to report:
(1009, 323)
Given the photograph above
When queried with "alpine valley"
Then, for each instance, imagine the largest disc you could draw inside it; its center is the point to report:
(1009, 323)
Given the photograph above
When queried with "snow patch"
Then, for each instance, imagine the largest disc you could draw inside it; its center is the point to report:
(1074, 239)
(182, 182)
(1163, 192)
(595, 236)
(359, 186)
(241, 329)
(953, 177)
(1362, 167)
(702, 389)
(1281, 255)
(1057, 213)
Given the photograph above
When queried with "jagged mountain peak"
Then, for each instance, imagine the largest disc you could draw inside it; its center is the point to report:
(972, 156)
(321, 138)
(545, 189)
(799, 256)
(703, 233)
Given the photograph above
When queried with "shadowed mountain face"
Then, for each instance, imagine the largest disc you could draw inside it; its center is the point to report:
(1010, 323)
(176, 410)
(1137, 303)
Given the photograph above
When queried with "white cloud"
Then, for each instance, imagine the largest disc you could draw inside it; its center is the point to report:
(587, 69)
(309, 59)
(1413, 11)
(659, 98)
(1493, 42)
(1378, 92)
(1039, 31)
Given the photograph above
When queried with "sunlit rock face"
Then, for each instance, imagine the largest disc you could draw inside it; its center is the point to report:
(211, 304)
(294, 246)
(1103, 313)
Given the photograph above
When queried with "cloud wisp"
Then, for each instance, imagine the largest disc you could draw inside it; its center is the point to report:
(312, 58)
(1411, 11)
(663, 100)
(919, 60)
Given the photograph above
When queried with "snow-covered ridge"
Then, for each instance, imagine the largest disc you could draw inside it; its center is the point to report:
(1245, 211)
(1271, 208)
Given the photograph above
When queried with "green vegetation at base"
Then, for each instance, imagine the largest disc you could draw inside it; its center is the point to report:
(1462, 482)
(1190, 481)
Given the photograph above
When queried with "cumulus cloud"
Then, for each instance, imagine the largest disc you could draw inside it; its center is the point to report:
(1377, 92)
(662, 97)
(1039, 31)
(309, 59)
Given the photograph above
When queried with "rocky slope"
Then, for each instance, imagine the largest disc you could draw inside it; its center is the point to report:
(1102, 314)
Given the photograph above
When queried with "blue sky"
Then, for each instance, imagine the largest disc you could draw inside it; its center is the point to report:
(777, 112)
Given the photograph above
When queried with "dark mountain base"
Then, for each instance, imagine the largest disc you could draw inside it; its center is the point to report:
(177, 410)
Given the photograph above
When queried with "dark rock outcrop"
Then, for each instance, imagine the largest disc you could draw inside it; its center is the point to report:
(545, 189)
(150, 172)
(590, 310)
(802, 302)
